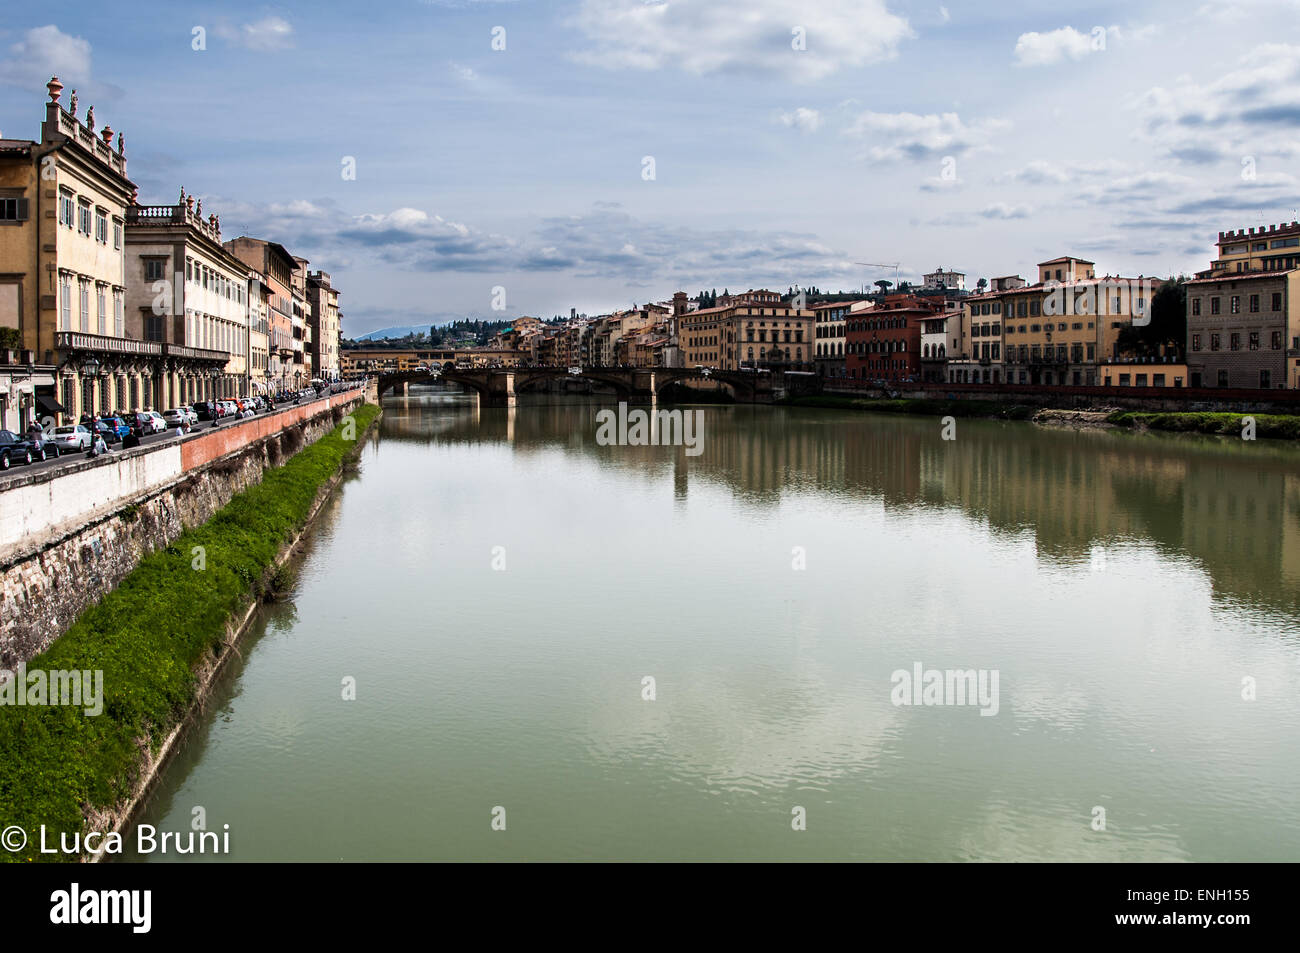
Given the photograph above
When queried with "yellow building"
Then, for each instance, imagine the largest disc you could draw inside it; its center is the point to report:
(63, 262)
(752, 329)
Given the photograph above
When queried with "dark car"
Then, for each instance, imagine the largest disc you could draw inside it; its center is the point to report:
(206, 410)
(117, 426)
(15, 449)
(109, 431)
(43, 447)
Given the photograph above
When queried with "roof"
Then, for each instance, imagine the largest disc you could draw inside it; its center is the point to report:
(1240, 276)
(1057, 261)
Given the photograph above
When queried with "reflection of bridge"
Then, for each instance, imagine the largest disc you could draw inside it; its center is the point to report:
(498, 386)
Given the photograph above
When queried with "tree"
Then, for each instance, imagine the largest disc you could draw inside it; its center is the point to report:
(884, 286)
(981, 285)
(11, 339)
(1167, 327)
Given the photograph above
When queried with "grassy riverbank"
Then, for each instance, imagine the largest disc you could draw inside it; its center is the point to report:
(991, 409)
(1280, 426)
(148, 636)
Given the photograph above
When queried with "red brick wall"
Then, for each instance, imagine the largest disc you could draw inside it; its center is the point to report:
(229, 437)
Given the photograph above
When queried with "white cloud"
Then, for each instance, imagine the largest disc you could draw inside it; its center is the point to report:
(1242, 113)
(464, 72)
(43, 52)
(268, 33)
(803, 119)
(892, 137)
(1065, 172)
(706, 36)
(1067, 43)
(1001, 210)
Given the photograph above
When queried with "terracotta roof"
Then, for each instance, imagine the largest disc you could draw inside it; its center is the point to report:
(1054, 261)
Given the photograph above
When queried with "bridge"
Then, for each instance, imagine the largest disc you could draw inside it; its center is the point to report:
(498, 387)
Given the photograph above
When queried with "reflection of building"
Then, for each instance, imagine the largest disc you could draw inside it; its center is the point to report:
(63, 204)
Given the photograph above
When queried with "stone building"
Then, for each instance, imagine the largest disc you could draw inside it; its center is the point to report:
(750, 329)
(188, 293)
(1240, 329)
(63, 202)
(276, 266)
(323, 302)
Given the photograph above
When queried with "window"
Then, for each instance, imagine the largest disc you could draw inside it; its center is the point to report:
(1141, 380)
(65, 314)
(1276, 341)
(101, 227)
(66, 207)
(85, 306)
(1034, 308)
(1234, 341)
(101, 309)
(1196, 342)
(1253, 341)
(1157, 380)
(83, 218)
(13, 210)
(118, 329)
(1265, 379)
(1214, 341)
(153, 269)
(1254, 304)
(1234, 304)
(117, 234)
(1223, 378)
(1277, 301)
(1196, 306)
(1214, 305)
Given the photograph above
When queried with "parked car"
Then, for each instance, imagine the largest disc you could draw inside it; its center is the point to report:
(14, 449)
(117, 426)
(42, 446)
(159, 422)
(71, 438)
(177, 418)
(108, 431)
(189, 412)
(205, 410)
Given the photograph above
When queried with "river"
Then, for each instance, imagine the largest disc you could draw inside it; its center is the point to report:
(501, 588)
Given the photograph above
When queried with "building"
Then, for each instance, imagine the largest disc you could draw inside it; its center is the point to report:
(276, 266)
(828, 336)
(63, 281)
(754, 329)
(1275, 248)
(884, 343)
(323, 302)
(1243, 329)
(303, 369)
(941, 280)
(259, 322)
(188, 293)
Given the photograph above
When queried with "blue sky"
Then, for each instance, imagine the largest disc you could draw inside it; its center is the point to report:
(983, 137)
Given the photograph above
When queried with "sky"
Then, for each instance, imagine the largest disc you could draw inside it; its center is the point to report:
(447, 159)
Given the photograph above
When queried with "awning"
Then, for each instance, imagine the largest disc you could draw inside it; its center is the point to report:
(48, 405)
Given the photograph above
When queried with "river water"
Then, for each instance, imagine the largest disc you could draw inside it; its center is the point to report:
(500, 587)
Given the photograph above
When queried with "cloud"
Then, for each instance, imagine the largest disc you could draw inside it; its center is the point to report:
(1241, 113)
(1003, 211)
(1068, 171)
(892, 137)
(802, 42)
(463, 72)
(43, 52)
(803, 119)
(264, 35)
(1067, 43)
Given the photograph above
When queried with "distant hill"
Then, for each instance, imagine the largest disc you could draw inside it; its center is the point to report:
(400, 332)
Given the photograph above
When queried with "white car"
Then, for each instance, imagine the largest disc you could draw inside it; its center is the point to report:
(70, 438)
(177, 418)
(159, 423)
(189, 412)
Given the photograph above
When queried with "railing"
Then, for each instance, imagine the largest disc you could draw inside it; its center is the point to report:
(80, 341)
(195, 353)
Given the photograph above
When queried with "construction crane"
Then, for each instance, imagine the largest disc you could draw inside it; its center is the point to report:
(877, 264)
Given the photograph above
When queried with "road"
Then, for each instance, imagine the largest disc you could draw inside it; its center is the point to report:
(66, 460)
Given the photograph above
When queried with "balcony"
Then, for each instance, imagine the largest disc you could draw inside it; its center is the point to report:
(81, 341)
(184, 353)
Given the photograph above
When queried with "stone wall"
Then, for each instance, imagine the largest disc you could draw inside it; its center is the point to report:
(51, 576)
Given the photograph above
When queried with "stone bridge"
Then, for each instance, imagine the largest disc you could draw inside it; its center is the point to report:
(497, 387)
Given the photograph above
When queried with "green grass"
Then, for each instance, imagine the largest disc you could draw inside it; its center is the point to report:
(931, 408)
(1282, 426)
(148, 636)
